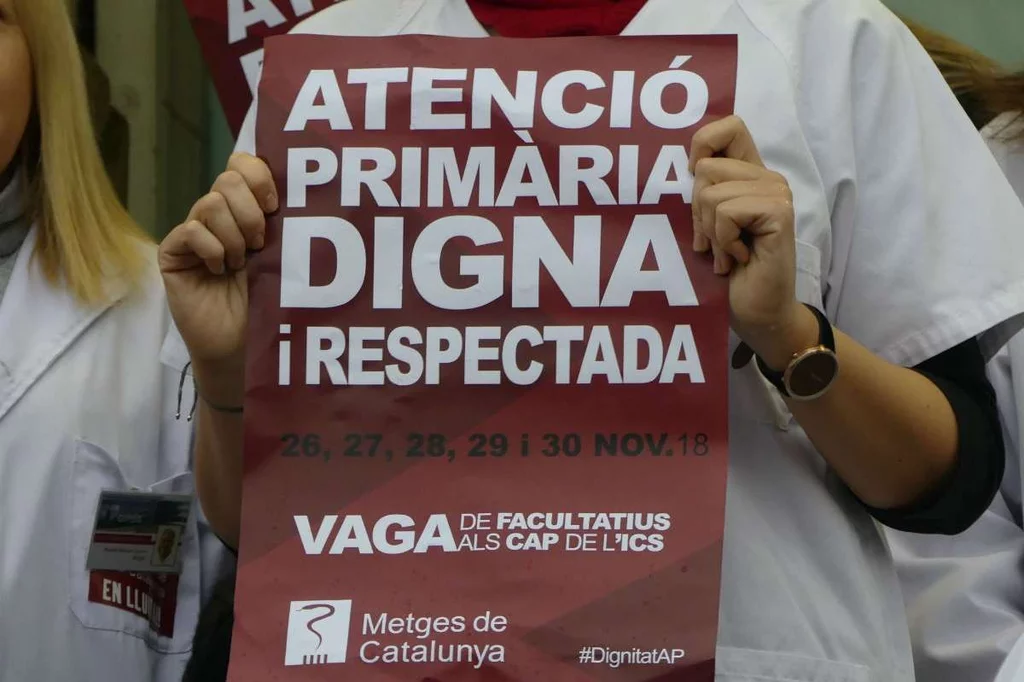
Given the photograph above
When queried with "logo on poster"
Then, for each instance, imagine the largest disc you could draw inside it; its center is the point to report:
(317, 632)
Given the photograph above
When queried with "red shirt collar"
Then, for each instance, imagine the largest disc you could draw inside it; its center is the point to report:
(549, 18)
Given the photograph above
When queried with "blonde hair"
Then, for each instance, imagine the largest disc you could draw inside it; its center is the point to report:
(85, 235)
(984, 88)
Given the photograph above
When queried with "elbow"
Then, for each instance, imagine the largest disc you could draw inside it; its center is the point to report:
(919, 484)
(956, 496)
(957, 476)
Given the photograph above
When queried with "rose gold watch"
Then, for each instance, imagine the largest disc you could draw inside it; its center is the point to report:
(812, 371)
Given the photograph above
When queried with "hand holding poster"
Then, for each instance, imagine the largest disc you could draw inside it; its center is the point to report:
(231, 34)
(486, 415)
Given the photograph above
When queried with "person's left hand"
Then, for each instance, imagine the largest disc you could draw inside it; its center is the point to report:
(743, 213)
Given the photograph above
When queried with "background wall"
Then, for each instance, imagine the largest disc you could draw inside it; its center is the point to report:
(126, 33)
(995, 27)
(157, 82)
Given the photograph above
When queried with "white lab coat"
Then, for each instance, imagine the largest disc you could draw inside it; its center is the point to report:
(907, 235)
(965, 594)
(86, 405)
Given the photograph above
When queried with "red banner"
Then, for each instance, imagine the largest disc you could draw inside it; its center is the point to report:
(231, 34)
(150, 596)
(486, 415)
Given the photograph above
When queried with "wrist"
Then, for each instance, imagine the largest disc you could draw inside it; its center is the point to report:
(797, 331)
(221, 382)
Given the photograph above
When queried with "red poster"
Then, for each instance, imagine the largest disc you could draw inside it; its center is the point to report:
(486, 415)
(231, 34)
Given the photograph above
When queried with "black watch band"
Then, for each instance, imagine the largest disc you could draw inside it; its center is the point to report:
(826, 338)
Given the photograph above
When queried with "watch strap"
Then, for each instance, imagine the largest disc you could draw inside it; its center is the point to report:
(826, 338)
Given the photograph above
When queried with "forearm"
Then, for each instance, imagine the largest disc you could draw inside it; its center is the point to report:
(219, 454)
(887, 431)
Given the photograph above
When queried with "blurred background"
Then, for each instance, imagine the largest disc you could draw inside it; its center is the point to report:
(164, 135)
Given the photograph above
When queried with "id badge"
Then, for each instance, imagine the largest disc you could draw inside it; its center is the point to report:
(139, 532)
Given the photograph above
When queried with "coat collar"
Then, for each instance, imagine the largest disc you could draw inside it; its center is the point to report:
(38, 322)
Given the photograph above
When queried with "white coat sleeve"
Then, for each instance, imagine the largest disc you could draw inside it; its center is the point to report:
(1013, 667)
(926, 241)
(926, 231)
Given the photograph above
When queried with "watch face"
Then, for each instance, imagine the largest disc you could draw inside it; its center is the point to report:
(812, 374)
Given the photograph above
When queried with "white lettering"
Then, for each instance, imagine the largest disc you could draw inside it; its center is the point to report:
(475, 353)
(359, 354)
(672, 161)
(632, 372)
(319, 84)
(319, 357)
(355, 174)
(297, 290)
(682, 358)
(654, 233)
(600, 358)
(391, 534)
(513, 370)
(652, 96)
(301, 177)
(377, 82)
(486, 270)
(425, 94)
(477, 174)
(553, 99)
(572, 174)
(527, 178)
(577, 278)
(240, 18)
(490, 90)
(402, 344)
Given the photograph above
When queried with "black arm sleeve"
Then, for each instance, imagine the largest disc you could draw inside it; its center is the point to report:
(211, 644)
(969, 489)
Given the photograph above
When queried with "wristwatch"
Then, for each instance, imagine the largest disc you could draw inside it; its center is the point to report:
(812, 371)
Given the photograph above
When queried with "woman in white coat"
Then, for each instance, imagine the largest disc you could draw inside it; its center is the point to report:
(85, 403)
(886, 213)
(965, 594)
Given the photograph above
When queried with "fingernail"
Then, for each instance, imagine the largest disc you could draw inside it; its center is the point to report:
(260, 239)
(272, 205)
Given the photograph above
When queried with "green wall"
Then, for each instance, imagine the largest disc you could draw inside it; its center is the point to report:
(221, 141)
(996, 27)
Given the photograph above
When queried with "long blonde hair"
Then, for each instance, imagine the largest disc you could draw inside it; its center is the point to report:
(85, 235)
(984, 88)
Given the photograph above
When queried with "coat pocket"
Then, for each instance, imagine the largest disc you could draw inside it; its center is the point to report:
(160, 609)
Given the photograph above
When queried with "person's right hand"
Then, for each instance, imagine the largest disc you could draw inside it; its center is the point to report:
(203, 266)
